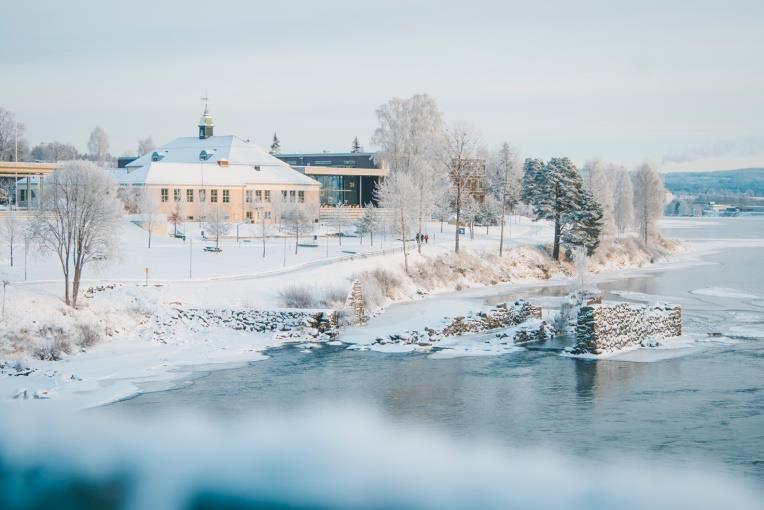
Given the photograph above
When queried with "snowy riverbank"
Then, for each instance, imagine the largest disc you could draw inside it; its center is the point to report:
(129, 356)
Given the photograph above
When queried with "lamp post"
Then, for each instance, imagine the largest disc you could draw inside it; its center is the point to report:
(5, 284)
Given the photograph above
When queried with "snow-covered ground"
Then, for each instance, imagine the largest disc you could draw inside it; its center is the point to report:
(129, 357)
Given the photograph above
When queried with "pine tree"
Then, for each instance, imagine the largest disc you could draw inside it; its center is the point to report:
(554, 190)
(275, 144)
(356, 148)
(583, 226)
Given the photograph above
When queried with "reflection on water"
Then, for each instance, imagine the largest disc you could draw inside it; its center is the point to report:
(707, 406)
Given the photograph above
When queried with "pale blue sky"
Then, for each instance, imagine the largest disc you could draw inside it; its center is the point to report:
(625, 81)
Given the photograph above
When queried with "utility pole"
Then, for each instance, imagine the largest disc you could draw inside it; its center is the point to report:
(190, 254)
(16, 154)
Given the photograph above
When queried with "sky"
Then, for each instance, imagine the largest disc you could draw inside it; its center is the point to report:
(674, 82)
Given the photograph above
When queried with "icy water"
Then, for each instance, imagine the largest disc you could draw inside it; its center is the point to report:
(701, 405)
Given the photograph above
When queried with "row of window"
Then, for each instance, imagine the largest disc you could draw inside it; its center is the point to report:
(202, 194)
(265, 196)
(258, 215)
(259, 195)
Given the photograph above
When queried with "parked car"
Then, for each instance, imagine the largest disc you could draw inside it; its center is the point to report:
(179, 235)
(213, 249)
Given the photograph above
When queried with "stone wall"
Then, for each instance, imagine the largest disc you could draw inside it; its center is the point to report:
(605, 328)
(307, 323)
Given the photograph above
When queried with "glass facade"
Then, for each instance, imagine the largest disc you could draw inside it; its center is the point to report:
(346, 189)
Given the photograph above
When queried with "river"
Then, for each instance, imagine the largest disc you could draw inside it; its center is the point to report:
(702, 402)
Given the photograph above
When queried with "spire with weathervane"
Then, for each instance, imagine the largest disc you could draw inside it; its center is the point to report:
(205, 123)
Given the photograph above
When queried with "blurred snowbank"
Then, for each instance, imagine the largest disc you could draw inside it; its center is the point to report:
(322, 457)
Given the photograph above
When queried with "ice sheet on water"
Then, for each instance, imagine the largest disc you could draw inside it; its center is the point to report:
(641, 296)
(747, 331)
(724, 292)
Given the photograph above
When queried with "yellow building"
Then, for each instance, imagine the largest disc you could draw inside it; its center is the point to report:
(191, 175)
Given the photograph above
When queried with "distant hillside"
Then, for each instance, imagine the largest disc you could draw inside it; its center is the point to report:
(744, 181)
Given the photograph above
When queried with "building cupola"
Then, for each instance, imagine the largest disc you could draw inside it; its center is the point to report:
(205, 123)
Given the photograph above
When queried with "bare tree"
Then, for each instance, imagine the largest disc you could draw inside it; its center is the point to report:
(623, 199)
(598, 180)
(13, 145)
(145, 145)
(148, 207)
(261, 215)
(10, 231)
(338, 218)
(296, 219)
(649, 196)
(176, 216)
(79, 220)
(411, 140)
(98, 145)
(398, 196)
(505, 170)
(462, 144)
(217, 225)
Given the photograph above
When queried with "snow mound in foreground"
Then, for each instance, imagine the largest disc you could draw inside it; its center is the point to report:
(322, 457)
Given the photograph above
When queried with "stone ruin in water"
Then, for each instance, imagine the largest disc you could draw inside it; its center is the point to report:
(603, 328)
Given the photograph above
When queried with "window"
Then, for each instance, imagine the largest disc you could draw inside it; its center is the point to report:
(267, 215)
(213, 195)
(292, 195)
(189, 195)
(176, 194)
(249, 215)
(248, 196)
(226, 196)
(259, 196)
(202, 195)
(301, 197)
(283, 195)
(165, 194)
(267, 195)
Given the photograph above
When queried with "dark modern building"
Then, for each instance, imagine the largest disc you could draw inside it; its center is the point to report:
(346, 178)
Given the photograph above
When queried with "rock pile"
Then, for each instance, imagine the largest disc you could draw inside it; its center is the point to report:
(523, 318)
(317, 324)
(500, 316)
(608, 328)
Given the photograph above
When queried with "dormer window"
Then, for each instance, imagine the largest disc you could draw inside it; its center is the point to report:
(206, 154)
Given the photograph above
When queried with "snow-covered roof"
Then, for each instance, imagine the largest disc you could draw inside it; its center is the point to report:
(180, 163)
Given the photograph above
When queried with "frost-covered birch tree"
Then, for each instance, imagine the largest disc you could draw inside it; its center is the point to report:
(369, 223)
(98, 145)
(597, 178)
(504, 179)
(13, 145)
(649, 196)
(79, 220)
(397, 195)
(411, 139)
(623, 200)
(216, 224)
(461, 148)
(145, 145)
(148, 207)
(10, 232)
(297, 221)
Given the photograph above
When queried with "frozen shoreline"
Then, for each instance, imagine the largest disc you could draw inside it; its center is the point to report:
(123, 367)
